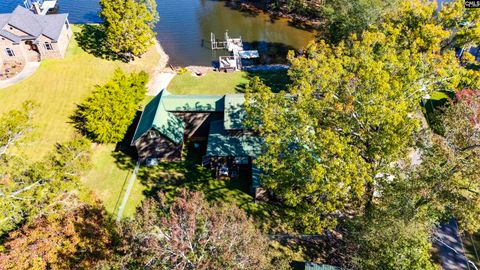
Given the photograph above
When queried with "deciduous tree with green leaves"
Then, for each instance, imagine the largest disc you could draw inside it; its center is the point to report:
(351, 110)
(27, 190)
(344, 17)
(15, 125)
(106, 115)
(129, 26)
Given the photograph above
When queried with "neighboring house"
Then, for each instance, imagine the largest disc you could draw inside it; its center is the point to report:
(169, 121)
(27, 37)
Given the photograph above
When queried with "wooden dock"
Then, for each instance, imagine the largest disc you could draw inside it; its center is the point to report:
(235, 47)
(40, 7)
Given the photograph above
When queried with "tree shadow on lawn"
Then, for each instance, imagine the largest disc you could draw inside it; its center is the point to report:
(277, 80)
(171, 177)
(92, 39)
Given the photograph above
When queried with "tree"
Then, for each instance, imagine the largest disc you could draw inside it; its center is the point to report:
(14, 125)
(352, 109)
(353, 17)
(463, 23)
(387, 242)
(129, 26)
(188, 233)
(461, 120)
(27, 190)
(106, 115)
(73, 237)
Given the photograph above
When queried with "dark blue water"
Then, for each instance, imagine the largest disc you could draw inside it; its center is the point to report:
(80, 11)
(185, 26)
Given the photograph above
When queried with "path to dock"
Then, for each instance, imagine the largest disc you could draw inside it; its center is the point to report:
(133, 177)
(161, 75)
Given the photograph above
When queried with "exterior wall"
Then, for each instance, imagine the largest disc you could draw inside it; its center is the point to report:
(59, 47)
(23, 51)
(157, 147)
(18, 49)
(21, 54)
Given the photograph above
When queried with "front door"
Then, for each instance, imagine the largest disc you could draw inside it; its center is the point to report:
(33, 54)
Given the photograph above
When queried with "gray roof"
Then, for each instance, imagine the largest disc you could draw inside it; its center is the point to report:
(316, 266)
(34, 25)
(10, 36)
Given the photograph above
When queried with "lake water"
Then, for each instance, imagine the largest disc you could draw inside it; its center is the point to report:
(185, 26)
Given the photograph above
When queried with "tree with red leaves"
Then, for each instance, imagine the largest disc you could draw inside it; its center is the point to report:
(190, 233)
(462, 120)
(75, 237)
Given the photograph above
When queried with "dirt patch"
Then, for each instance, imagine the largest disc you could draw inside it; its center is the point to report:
(10, 69)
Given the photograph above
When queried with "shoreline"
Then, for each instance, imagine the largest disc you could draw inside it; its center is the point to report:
(164, 57)
(162, 75)
(250, 6)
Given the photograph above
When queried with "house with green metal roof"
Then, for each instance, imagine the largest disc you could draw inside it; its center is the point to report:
(170, 121)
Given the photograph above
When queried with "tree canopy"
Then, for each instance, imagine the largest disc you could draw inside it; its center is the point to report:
(129, 26)
(75, 236)
(351, 110)
(106, 115)
(189, 233)
(27, 190)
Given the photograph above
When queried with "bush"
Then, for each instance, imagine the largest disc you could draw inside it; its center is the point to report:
(105, 116)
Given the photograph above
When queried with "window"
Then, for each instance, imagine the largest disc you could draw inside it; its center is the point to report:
(48, 46)
(152, 134)
(10, 52)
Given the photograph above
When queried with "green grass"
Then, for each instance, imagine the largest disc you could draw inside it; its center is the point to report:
(210, 83)
(223, 83)
(58, 86)
(171, 177)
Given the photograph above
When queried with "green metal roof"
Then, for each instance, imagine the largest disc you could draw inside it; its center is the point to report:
(148, 115)
(157, 117)
(234, 113)
(169, 125)
(194, 103)
(220, 144)
(316, 266)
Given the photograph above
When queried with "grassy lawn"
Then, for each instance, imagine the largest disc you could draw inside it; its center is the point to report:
(58, 86)
(222, 83)
(171, 177)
